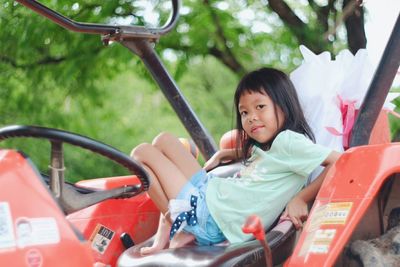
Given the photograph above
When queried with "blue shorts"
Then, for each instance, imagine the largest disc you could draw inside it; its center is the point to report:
(206, 230)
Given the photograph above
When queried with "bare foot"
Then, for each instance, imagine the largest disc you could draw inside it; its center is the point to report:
(181, 239)
(161, 239)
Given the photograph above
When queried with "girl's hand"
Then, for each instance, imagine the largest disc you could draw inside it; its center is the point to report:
(297, 211)
(213, 162)
(221, 156)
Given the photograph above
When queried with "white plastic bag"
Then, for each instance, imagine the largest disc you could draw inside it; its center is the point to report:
(330, 92)
(317, 81)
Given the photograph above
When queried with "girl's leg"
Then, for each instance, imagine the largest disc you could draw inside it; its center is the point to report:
(161, 200)
(157, 193)
(162, 171)
(172, 173)
(173, 149)
(161, 238)
(181, 239)
(159, 197)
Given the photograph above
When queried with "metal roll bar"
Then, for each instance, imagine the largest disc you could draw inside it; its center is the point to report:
(94, 28)
(378, 89)
(139, 39)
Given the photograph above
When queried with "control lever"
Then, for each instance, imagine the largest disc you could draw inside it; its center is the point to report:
(254, 226)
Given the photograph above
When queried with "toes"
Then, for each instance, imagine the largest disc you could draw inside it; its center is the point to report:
(146, 250)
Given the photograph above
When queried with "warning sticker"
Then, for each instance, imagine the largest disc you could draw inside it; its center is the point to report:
(7, 239)
(316, 218)
(306, 244)
(36, 231)
(317, 242)
(101, 238)
(321, 241)
(331, 213)
(336, 213)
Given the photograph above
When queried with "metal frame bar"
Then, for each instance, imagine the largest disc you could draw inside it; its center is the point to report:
(378, 89)
(95, 28)
(139, 39)
(144, 49)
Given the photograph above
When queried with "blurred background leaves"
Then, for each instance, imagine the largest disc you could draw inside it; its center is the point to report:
(56, 78)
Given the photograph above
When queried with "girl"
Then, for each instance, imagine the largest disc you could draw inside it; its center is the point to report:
(274, 144)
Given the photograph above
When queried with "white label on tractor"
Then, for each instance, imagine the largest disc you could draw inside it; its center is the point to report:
(101, 238)
(7, 239)
(337, 212)
(322, 240)
(333, 213)
(36, 231)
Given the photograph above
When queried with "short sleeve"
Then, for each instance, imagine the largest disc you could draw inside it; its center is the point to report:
(302, 154)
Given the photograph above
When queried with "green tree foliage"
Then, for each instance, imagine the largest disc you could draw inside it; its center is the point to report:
(241, 34)
(57, 78)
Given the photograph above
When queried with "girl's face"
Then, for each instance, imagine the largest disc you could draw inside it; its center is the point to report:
(258, 116)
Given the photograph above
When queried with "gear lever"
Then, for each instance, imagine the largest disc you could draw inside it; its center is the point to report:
(253, 225)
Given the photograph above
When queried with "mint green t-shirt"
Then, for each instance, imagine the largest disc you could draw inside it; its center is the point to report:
(265, 186)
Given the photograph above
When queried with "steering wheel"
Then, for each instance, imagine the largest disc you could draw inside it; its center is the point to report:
(69, 198)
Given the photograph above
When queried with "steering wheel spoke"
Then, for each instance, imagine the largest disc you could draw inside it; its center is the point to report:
(56, 168)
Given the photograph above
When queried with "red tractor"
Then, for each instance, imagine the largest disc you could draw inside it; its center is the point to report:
(46, 221)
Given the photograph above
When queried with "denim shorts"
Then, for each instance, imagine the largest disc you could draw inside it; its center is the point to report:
(206, 230)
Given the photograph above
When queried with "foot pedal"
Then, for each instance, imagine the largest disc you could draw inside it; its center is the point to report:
(127, 240)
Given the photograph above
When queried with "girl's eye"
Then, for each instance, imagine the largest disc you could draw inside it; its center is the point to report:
(260, 106)
(243, 113)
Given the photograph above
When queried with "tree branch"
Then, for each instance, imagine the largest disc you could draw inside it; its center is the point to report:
(314, 6)
(47, 59)
(353, 17)
(323, 12)
(9, 61)
(227, 60)
(286, 14)
(331, 3)
(298, 28)
(354, 22)
(44, 61)
(226, 55)
(346, 11)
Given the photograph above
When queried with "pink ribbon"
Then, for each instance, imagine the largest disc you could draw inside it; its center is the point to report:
(349, 113)
(348, 110)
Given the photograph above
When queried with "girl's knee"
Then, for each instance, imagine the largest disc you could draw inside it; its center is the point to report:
(163, 138)
(141, 150)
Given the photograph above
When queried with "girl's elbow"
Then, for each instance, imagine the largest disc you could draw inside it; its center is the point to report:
(332, 158)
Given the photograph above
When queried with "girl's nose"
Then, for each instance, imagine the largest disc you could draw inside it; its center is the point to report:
(252, 117)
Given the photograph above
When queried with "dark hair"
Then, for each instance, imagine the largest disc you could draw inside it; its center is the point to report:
(280, 89)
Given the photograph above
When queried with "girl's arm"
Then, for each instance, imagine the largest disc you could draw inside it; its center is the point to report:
(221, 156)
(297, 208)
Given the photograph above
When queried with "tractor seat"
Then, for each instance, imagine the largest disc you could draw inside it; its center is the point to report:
(281, 239)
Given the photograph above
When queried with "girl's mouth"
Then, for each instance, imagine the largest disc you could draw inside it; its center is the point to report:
(256, 128)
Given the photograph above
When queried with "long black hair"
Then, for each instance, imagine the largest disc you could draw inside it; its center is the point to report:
(280, 89)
